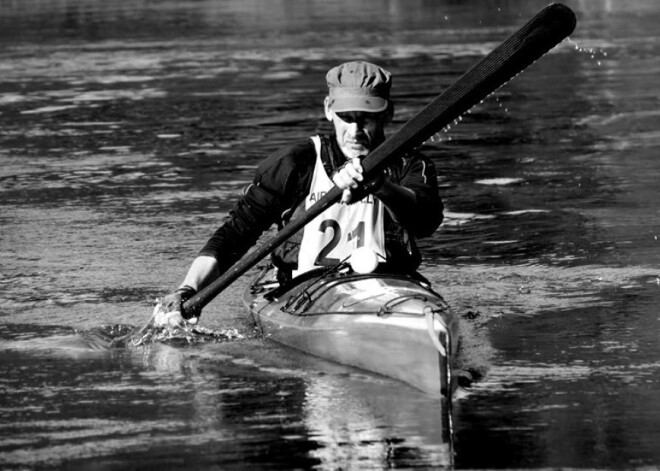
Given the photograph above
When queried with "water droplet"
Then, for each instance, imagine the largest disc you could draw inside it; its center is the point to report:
(594, 53)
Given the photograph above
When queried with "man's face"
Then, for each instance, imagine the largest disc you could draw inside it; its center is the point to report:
(358, 132)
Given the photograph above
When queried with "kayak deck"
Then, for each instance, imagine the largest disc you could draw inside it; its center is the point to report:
(390, 324)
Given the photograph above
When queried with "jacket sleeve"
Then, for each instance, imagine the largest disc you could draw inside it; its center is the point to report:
(276, 186)
(419, 175)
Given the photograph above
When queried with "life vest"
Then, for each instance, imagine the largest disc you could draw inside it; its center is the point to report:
(333, 235)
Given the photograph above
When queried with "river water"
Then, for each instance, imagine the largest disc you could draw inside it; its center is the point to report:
(127, 129)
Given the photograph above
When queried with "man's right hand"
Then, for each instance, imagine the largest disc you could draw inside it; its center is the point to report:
(170, 309)
(172, 305)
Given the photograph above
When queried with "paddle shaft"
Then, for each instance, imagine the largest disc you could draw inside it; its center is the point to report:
(549, 27)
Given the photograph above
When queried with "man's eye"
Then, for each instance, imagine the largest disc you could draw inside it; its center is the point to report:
(362, 118)
(347, 118)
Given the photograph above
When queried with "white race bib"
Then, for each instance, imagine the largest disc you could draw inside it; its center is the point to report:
(333, 235)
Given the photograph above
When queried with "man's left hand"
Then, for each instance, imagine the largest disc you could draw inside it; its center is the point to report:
(350, 177)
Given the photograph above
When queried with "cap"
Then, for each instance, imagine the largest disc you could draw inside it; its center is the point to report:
(358, 86)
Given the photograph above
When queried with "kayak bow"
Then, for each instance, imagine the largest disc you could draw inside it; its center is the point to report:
(390, 324)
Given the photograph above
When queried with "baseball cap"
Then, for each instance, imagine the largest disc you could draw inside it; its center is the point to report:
(358, 86)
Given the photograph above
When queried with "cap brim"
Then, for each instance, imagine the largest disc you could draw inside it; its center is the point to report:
(370, 104)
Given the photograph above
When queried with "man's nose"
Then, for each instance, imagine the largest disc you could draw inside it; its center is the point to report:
(356, 126)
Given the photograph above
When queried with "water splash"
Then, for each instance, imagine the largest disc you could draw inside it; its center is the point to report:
(188, 335)
(120, 336)
(594, 53)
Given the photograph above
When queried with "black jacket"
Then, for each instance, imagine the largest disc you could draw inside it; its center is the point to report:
(283, 180)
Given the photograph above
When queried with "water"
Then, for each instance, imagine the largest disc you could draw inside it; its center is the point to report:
(127, 129)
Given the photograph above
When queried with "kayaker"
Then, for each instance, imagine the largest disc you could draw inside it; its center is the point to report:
(386, 214)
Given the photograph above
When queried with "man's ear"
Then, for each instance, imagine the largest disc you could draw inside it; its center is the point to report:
(390, 112)
(328, 112)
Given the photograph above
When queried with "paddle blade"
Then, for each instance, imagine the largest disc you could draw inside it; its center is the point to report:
(548, 28)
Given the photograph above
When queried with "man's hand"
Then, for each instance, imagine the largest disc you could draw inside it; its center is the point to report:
(351, 177)
(172, 312)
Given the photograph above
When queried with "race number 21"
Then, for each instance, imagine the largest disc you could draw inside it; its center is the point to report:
(330, 224)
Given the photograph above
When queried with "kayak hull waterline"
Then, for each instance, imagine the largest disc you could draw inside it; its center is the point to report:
(390, 324)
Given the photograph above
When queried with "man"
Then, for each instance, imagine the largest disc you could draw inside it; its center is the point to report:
(384, 215)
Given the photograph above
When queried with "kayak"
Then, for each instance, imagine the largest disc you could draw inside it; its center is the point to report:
(393, 325)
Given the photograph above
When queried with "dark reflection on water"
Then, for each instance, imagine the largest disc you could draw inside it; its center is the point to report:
(210, 406)
(128, 128)
(590, 397)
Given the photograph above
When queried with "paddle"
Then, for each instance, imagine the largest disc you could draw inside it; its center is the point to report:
(544, 31)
